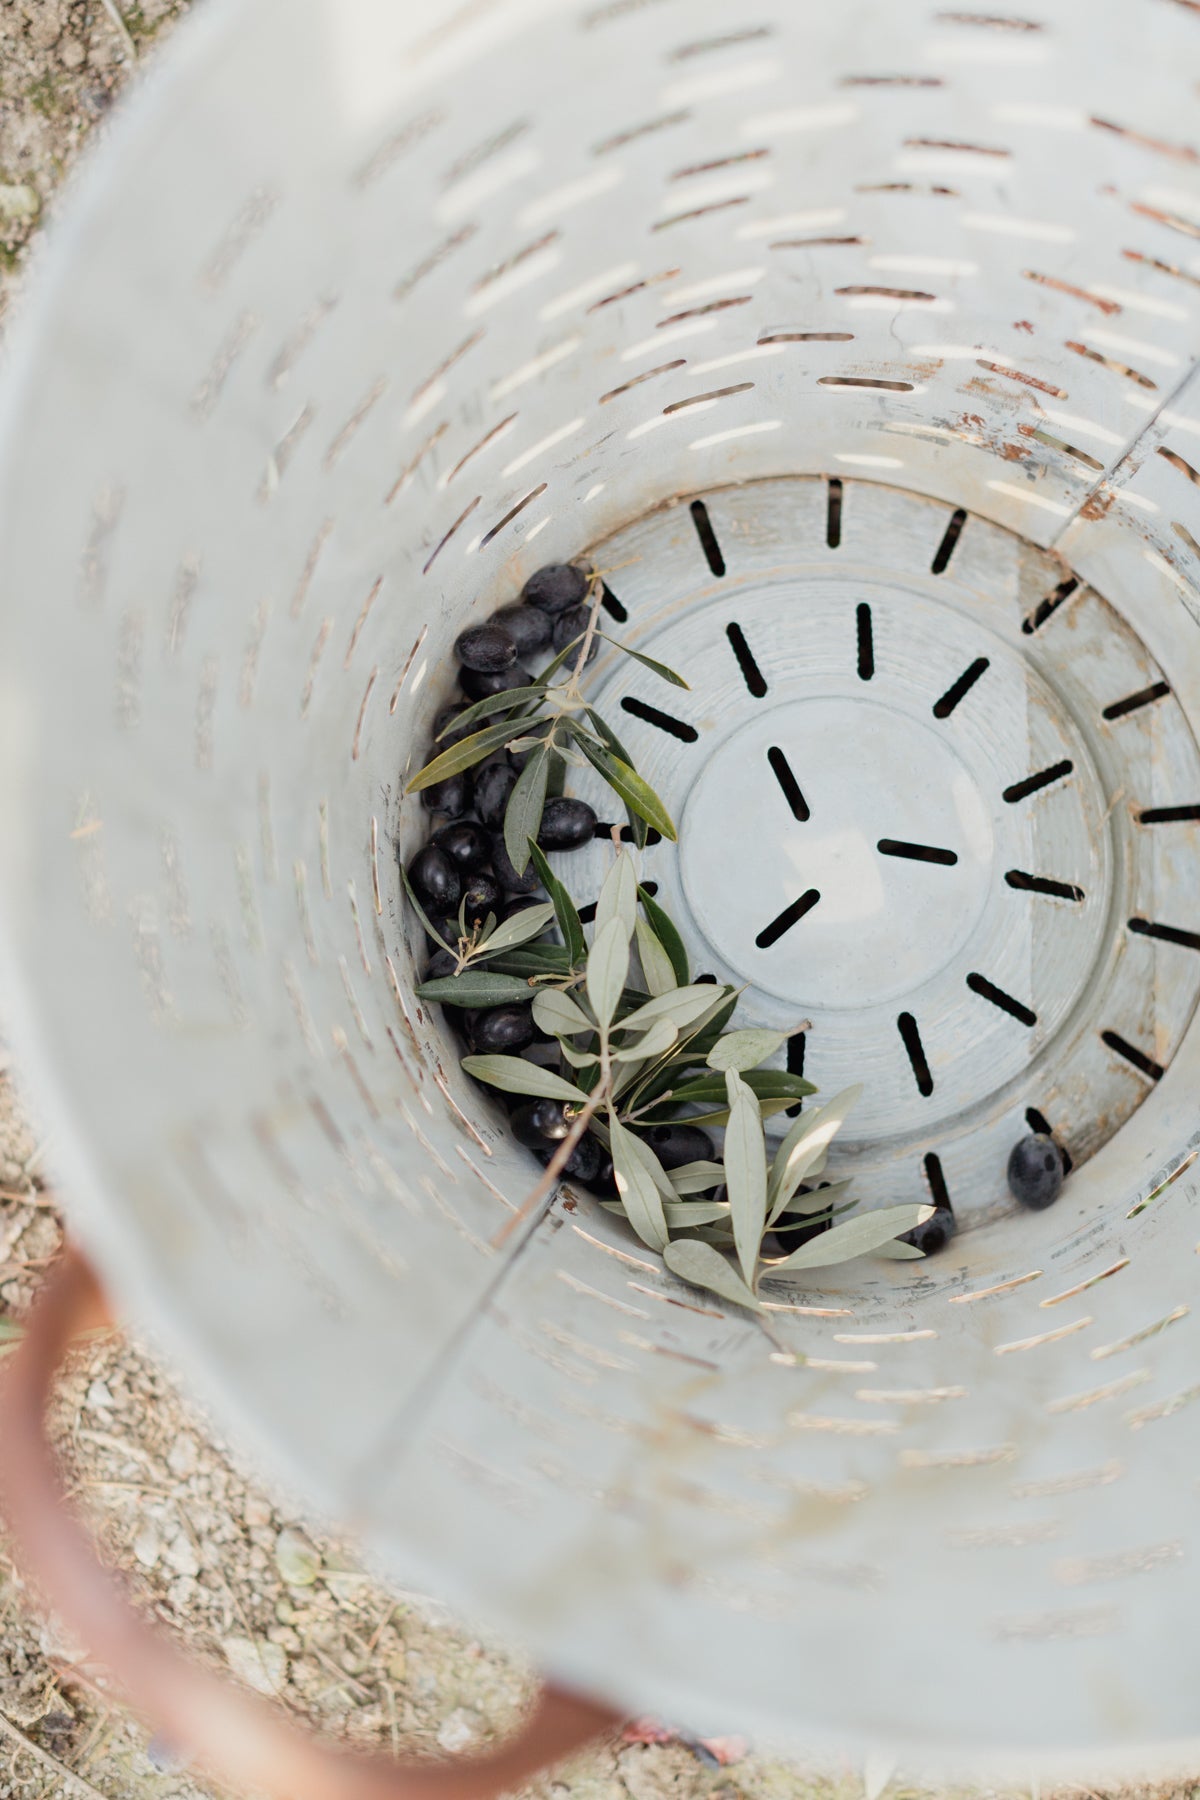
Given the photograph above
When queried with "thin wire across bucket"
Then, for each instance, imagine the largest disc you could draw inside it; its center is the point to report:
(360, 319)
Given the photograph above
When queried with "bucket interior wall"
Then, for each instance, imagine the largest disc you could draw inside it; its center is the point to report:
(362, 314)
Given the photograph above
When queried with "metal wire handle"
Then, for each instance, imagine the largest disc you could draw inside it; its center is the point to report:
(237, 1739)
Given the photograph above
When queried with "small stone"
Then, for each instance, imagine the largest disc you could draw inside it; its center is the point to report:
(262, 1665)
(183, 1458)
(99, 1398)
(162, 1756)
(397, 1666)
(147, 1545)
(256, 1511)
(180, 1555)
(297, 1558)
(18, 203)
(462, 1729)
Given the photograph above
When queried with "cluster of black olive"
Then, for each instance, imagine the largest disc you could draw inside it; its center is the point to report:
(466, 865)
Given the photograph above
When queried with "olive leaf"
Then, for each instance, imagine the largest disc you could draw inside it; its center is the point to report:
(421, 913)
(704, 1267)
(855, 1238)
(639, 1193)
(507, 701)
(530, 922)
(897, 1251)
(660, 1037)
(808, 1139)
(745, 1049)
(657, 966)
(765, 1084)
(557, 1013)
(629, 785)
(475, 988)
(618, 896)
(516, 1076)
(647, 662)
(526, 803)
(462, 755)
(815, 1199)
(683, 1006)
(696, 1177)
(684, 1215)
(538, 960)
(607, 967)
(663, 927)
(611, 741)
(565, 910)
(745, 1172)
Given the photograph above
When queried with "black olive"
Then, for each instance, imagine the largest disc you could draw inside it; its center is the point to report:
(556, 586)
(505, 1029)
(566, 825)
(934, 1234)
(435, 879)
(1035, 1171)
(520, 903)
(571, 625)
(453, 795)
(478, 686)
(487, 648)
(604, 1181)
(538, 1123)
(465, 843)
(440, 964)
(493, 785)
(507, 876)
(675, 1145)
(481, 896)
(583, 1164)
(529, 629)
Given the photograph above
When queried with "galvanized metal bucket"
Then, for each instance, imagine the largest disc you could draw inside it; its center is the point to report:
(867, 330)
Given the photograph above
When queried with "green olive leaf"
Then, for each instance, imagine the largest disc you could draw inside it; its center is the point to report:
(421, 913)
(745, 1049)
(530, 922)
(558, 1014)
(660, 1037)
(683, 1006)
(898, 1252)
(618, 896)
(857, 1237)
(607, 967)
(745, 1172)
(664, 929)
(630, 787)
(507, 701)
(526, 803)
(565, 909)
(657, 966)
(463, 755)
(704, 1267)
(516, 1076)
(647, 662)
(476, 988)
(808, 1139)
(637, 1189)
(612, 742)
(696, 1177)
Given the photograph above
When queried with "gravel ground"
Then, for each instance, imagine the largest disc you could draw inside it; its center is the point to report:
(226, 1568)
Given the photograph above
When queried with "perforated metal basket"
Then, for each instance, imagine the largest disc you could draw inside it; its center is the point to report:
(854, 344)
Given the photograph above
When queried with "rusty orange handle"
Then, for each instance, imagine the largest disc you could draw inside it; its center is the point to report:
(236, 1738)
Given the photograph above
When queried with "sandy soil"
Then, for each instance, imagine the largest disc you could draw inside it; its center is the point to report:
(225, 1567)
